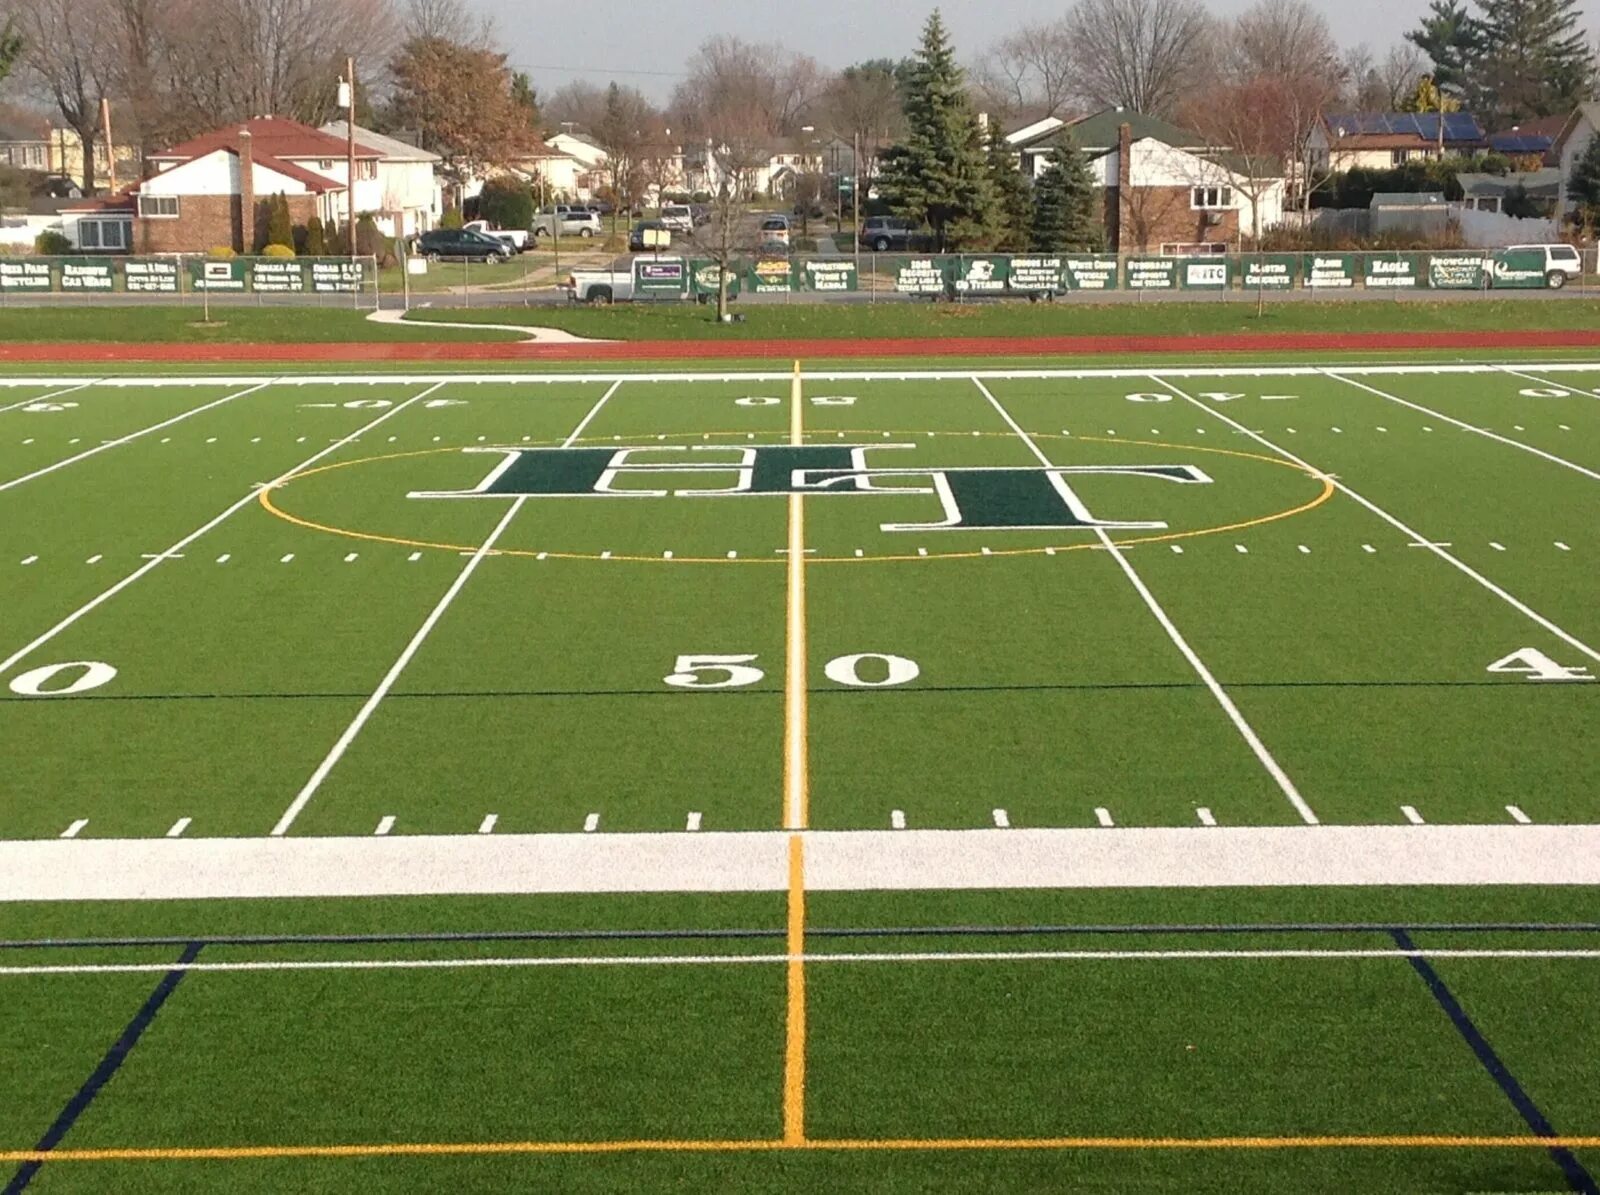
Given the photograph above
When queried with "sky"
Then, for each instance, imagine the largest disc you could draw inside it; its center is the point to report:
(606, 39)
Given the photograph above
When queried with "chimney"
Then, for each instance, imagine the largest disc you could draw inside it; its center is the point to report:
(247, 193)
(1124, 213)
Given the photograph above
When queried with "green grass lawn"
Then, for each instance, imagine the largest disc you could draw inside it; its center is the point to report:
(228, 325)
(688, 321)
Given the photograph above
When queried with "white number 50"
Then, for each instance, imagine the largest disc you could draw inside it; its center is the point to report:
(688, 672)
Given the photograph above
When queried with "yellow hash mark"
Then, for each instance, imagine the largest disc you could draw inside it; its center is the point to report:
(1328, 491)
(794, 1051)
(766, 1145)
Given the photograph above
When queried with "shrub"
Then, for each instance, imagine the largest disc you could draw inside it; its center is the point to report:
(369, 240)
(316, 246)
(451, 218)
(222, 252)
(334, 238)
(52, 243)
(276, 250)
(279, 227)
(506, 202)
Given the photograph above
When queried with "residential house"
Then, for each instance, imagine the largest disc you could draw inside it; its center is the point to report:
(412, 200)
(211, 189)
(1383, 140)
(25, 141)
(65, 159)
(1528, 144)
(101, 224)
(554, 175)
(1164, 189)
(589, 175)
(1488, 192)
(771, 169)
(1576, 132)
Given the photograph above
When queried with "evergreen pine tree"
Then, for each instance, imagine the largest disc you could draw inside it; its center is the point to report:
(1583, 187)
(1448, 36)
(1533, 59)
(1013, 195)
(280, 228)
(1065, 209)
(316, 246)
(938, 175)
(1048, 233)
(334, 237)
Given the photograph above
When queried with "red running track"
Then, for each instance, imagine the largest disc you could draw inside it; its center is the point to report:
(703, 350)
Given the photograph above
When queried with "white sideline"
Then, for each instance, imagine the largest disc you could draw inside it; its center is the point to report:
(130, 437)
(1246, 731)
(1481, 431)
(106, 595)
(53, 394)
(1414, 536)
(841, 861)
(286, 822)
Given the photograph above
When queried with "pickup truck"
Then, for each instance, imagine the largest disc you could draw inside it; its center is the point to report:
(517, 238)
(647, 279)
(566, 221)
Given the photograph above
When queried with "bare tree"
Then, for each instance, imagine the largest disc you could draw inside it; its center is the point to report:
(447, 20)
(623, 131)
(862, 106)
(1033, 70)
(71, 59)
(728, 75)
(1283, 39)
(580, 103)
(1143, 55)
(1398, 74)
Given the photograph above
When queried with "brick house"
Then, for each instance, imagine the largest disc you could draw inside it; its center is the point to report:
(212, 190)
(1165, 190)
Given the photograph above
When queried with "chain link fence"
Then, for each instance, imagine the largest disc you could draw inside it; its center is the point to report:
(191, 280)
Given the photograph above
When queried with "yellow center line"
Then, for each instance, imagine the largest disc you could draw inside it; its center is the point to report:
(796, 794)
(767, 1145)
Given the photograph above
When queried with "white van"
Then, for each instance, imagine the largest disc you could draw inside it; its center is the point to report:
(1561, 262)
(678, 217)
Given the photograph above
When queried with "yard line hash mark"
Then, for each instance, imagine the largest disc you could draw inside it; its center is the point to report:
(1285, 785)
(487, 825)
(75, 828)
(105, 596)
(364, 714)
(591, 823)
(1521, 818)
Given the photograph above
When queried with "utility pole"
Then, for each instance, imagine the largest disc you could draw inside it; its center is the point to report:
(350, 154)
(111, 151)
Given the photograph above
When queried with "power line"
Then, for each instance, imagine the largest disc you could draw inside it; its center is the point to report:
(585, 70)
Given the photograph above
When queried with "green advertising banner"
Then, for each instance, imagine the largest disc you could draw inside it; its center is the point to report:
(217, 274)
(270, 275)
(979, 275)
(1397, 272)
(1093, 272)
(1152, 273)
(660, 278)
(1457, 271)
(150, 277)
(769, 276)
(1036, 275)
(1278, 271)
(1210, 273)
(336, 275)
(87, 274)
(831, 275)
(1518, 269)
(705, 278)
(921, 276)
(1330, 271)
(25, 275)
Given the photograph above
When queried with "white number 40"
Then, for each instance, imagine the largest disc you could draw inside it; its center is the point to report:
(1535, 665)
(732, 672)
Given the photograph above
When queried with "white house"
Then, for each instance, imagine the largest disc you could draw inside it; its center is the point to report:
(412, 199)
(1570, 143)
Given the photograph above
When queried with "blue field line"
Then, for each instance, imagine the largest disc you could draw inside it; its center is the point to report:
(820, 931)
(1578, 1178)
(109, 1065)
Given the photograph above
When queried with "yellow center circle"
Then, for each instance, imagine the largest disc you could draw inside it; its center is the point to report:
(266, 498)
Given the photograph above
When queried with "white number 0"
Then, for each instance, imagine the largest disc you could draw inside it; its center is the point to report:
(846, 670)
(687, 672)
(34, 683)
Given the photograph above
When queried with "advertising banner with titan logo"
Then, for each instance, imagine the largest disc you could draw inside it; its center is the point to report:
(979, 275)
(1330, 271)
(1207, 273)
(1277, 271)
(1397, 271)
(1152, 273)
(1095, 271)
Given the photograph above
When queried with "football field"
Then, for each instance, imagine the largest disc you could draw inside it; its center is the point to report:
(1178, 778)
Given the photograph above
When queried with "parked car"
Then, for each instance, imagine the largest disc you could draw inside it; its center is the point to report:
(775, 228)
(701, 212)
(884, 233)
(1561, 262)
(636, 241)
(462, 244)
(562, 220)
(679, 217)
(517, 238)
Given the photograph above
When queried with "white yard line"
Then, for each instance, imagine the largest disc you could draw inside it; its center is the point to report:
(1480, 431)
(370, 706)
(132, 436)
(154, 561)
(1528, 377)
(62, 393)
(851, 957)
(1416, 538)
(1090, 857)
(1246, 731)
(795, 749)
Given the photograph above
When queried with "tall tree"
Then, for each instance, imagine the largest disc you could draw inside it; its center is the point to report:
(1143, 55)
(1013, 207)
(622, 132)
(70, 56)
(1583, 187)
(939, 174)
(1066, 204)
(460, 101)
(1533, 59)
(1032, 70)
(727, 74)
(1449, 37)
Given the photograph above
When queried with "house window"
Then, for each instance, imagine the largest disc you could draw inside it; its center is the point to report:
(1399, 157)
(367, 169)
(1192, 248)
(35, 155)
(158, 207)
(88, 234)
(1205, 199)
